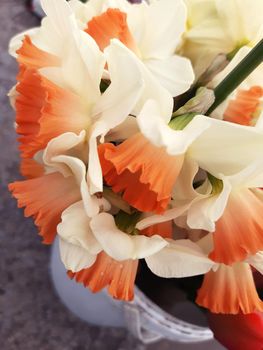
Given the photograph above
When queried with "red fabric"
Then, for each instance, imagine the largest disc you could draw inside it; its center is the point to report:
(238, 332)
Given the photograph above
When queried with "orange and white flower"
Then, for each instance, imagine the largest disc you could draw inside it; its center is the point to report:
(48, 191)
(64, 117)
(232, 212)
(62, 82)
(99, 254)
(146, 166)
(134, 25)
(184, 258)
(230, 208)
(147, 179)
(61, 113)
(236, 282)
(56, 101)
(57, 179)
(88, 246)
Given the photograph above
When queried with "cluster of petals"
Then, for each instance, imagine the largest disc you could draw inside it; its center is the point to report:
(94, 104)
(63, 113)
(220, 26)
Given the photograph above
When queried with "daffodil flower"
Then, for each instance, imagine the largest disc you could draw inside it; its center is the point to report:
(184, 258)
(224, 27)
(147, 179)
(146, 166)
(60, 88)
(98, 254)
(230, 208)
(56, 180)
(134, 25)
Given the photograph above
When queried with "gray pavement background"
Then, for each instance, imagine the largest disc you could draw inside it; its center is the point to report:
(31, 315)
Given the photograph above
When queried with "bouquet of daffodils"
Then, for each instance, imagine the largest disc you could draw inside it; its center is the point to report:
(141, 137)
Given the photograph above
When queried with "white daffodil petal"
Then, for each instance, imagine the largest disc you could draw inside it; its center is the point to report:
(62, 145)
(205, 210)
(94, 175)
(175, 73)
(123, 131)
(184, 194)
(183, 190)
(256, 261)
(152, 126)
(160, 134)
(226, 28)
(130, 71)
(199, 10)
(138, 85)
(226, 9)
(16, 42)
(181, 258)
(62, 153)
(56, 32)
(167, 216)
(54, 74)
(146, 246)
(82, 61)
(259, 124)
(78, 168)
(83, 66)
(116, 104)
(75, 228)
(227, 148)
(162, 15)
(58, 12)
(209, 31)
(48, 39)
(200, 215)
(206, 243)
(114, 242)
(237, 15)
(250, 177)
(120, 245)
(13, 94)
(75, 258)
(84, 12)
(154, 90)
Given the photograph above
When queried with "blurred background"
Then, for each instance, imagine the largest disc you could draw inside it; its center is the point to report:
(31, 315)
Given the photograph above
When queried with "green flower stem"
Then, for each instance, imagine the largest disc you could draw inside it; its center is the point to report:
(179, 123)
(217, 184)
(127, 222)
(238, 74)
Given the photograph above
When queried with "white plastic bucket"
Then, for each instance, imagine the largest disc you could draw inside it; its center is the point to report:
(142, 317)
